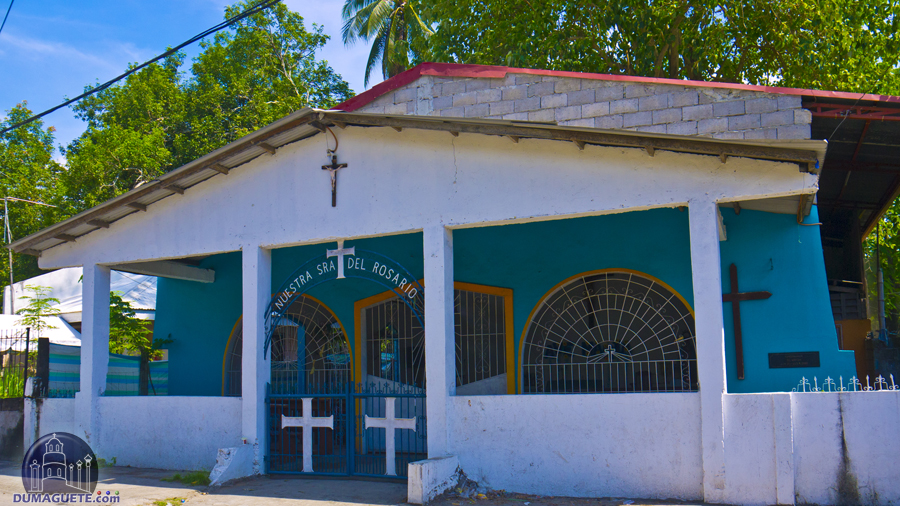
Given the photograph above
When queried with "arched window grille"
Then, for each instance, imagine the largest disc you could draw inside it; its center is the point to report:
(393, 343)
(231, 381)
(309, 352)
(393, 340)
(610, 331)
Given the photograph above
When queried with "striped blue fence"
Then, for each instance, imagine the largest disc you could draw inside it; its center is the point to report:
(122, 378)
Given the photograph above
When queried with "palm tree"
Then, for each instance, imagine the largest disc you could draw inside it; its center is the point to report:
(395, 28)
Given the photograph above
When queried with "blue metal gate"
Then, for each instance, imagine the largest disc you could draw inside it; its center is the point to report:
(331, 411)
(344, 439)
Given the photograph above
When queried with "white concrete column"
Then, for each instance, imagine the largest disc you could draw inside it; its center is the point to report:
(257, 291)
(440, 347)
(94, 353)
(707, 276)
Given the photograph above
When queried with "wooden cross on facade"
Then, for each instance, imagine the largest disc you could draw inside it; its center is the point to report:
(735, 298)
(333, 169)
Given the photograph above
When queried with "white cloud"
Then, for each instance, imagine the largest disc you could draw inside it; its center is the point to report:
(36, 49)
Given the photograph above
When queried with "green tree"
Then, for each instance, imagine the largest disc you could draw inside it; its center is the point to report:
(829, 44)
(882, 249)
(129, 138)
(27, 171)
(261, 69)
(39, 306)
(128, 334)
(395, 28)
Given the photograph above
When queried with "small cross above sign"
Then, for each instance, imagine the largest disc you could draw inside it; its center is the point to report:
(339, 253)
(389, 423)
(333, 169)
(735, 298)
(307, 422)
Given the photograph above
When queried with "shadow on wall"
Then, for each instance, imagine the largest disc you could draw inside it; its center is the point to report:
(11, 428)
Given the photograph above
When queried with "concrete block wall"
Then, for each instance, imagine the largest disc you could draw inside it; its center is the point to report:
(719, 113)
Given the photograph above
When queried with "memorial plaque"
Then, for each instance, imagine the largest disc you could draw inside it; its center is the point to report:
(796, 359)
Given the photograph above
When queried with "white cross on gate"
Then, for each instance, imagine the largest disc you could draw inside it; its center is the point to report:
(389, 423)
(307, 421)
(339, 253)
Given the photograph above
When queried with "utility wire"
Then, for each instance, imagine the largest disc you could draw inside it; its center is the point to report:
(261, 6)
(7, 14)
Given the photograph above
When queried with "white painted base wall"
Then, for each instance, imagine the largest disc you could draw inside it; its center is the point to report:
(169, 432)
(779, 448)
(841, 449)
(631, 445)
(155, 432)
(46, 416)
(870, 427)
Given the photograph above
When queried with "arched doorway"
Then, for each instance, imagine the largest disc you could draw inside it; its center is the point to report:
(310, 352)
(323, 417)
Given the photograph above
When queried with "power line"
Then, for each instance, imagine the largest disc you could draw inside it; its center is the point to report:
(7, 14)
(261, 6)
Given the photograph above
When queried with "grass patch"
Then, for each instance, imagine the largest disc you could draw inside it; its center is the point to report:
(101, 463)
(191, 478)
(173, 501)
(12, 384)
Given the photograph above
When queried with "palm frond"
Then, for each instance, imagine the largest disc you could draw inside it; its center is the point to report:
(410, 14)
(354, 26)
(394, 27)
(374, 55)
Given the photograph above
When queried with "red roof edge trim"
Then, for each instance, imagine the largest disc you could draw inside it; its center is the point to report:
(398, 81)
(496, 72)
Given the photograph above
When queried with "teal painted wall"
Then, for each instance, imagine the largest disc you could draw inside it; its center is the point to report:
(775, 254)
(533, 258)
(340, 296)
(199, 318)
(772, 253)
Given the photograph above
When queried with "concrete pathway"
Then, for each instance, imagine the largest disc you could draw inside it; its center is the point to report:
(144, 487)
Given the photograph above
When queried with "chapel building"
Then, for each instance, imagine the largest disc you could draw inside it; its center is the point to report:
(558, 283)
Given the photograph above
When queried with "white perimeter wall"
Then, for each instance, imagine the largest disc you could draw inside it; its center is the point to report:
(155, 432)
(56, 415)
(817, 448)
(632, 445)
(169, 432)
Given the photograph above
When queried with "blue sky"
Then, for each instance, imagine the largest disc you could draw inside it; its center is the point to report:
(51, 49)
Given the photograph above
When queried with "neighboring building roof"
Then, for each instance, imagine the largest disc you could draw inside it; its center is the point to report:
(65, 285)
(59, 332)
(496, 72)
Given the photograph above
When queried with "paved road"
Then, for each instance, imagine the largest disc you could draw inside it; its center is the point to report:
(141, 487)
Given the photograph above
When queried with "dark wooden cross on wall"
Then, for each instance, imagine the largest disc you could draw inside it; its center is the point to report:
(735, 298)
(333, 169)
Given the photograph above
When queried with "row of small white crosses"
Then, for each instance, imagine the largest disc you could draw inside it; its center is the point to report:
(388, 423)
